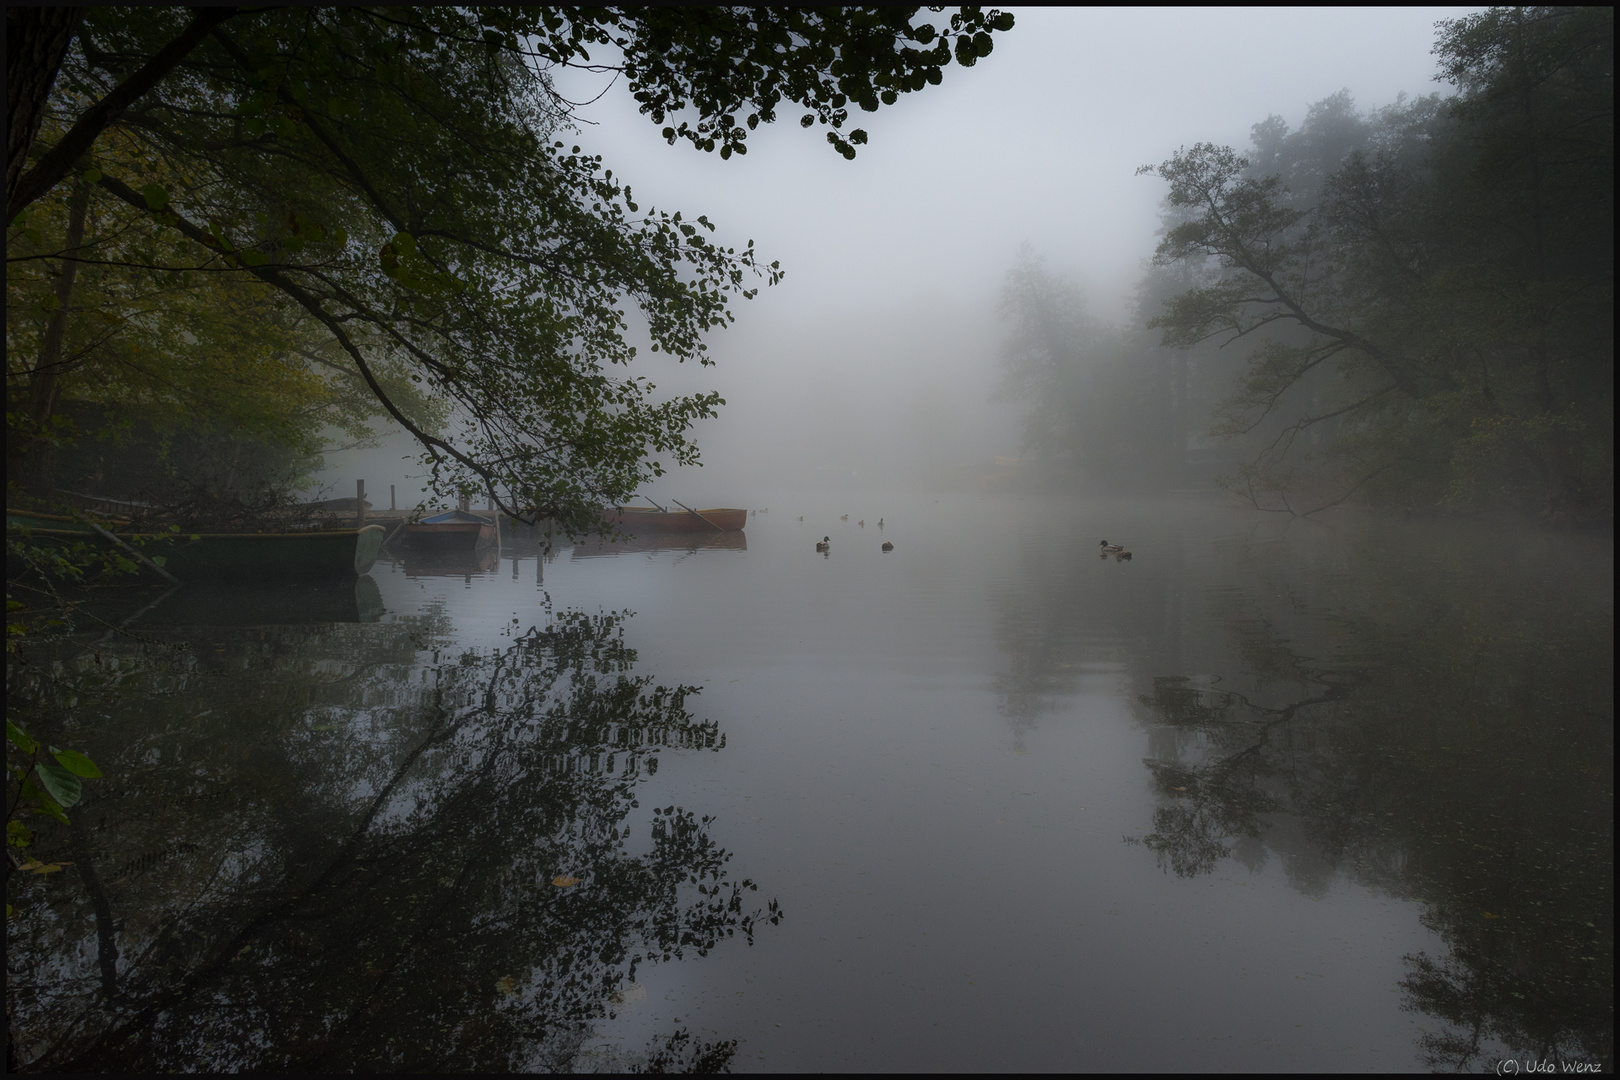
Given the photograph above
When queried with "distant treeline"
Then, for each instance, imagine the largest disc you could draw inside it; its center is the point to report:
(1412, 307)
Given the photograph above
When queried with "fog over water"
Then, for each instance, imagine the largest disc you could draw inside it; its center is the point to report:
(1026, 709)
(873, 361)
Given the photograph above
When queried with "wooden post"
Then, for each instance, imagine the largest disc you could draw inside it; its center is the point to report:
(391, 504)
(359, 504)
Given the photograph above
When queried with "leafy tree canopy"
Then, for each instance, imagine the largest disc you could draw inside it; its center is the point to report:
(1427, 292)
(402, 184)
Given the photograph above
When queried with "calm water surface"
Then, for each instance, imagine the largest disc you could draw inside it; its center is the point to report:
(1271, 795)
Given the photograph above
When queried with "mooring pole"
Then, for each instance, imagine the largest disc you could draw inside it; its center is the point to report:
(359, 504)
(391, 504)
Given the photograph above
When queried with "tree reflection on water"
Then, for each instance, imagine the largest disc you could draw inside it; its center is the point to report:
(1454, 747)
(314, 850)
(1430, 714)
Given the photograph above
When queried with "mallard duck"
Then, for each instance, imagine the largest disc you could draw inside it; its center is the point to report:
(1109, 549)
(1122, 556)
(861, 523)
(880, 523)
(824, 544)
(887, 546)
(843, 517)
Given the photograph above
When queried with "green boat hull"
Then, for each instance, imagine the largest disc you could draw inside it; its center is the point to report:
(297, 556)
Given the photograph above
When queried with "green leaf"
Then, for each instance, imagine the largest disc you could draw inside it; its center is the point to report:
(156, 197)
(77, 764)
(92, 175)
(20, 739)
(254, 258)
(37, 797)
(63, 786)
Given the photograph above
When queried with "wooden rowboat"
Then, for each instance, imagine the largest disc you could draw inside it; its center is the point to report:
(457, 530)
(313, 555)
(635, 520)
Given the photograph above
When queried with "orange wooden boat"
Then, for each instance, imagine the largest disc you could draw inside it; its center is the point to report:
(635, 520)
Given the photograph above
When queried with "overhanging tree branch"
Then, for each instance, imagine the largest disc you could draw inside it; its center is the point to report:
(55, 163)
(271, 276)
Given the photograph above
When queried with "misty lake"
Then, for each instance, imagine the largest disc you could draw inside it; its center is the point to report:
(1274, 794)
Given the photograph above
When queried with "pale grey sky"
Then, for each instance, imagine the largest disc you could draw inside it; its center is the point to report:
(1040, 141)
(885, 325)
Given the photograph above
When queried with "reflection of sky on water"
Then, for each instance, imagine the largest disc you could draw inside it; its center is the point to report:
(932, 757)
(934, 754)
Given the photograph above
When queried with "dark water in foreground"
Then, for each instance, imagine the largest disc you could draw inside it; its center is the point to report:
(1272, 795)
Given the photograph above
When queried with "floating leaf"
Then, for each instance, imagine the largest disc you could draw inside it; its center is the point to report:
(34, 866)
(562, 881)
(506, 984)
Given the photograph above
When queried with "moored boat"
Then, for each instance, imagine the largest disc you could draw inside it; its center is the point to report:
(453, 531)
(635, 520)
(236, 556)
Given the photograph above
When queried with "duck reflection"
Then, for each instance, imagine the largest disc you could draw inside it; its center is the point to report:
(360, 847)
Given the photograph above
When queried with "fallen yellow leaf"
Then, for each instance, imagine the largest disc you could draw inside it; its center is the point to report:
(563, 882)
(506, 984)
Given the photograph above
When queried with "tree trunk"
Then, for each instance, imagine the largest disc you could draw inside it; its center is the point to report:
(36, 40)
(35, 451)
